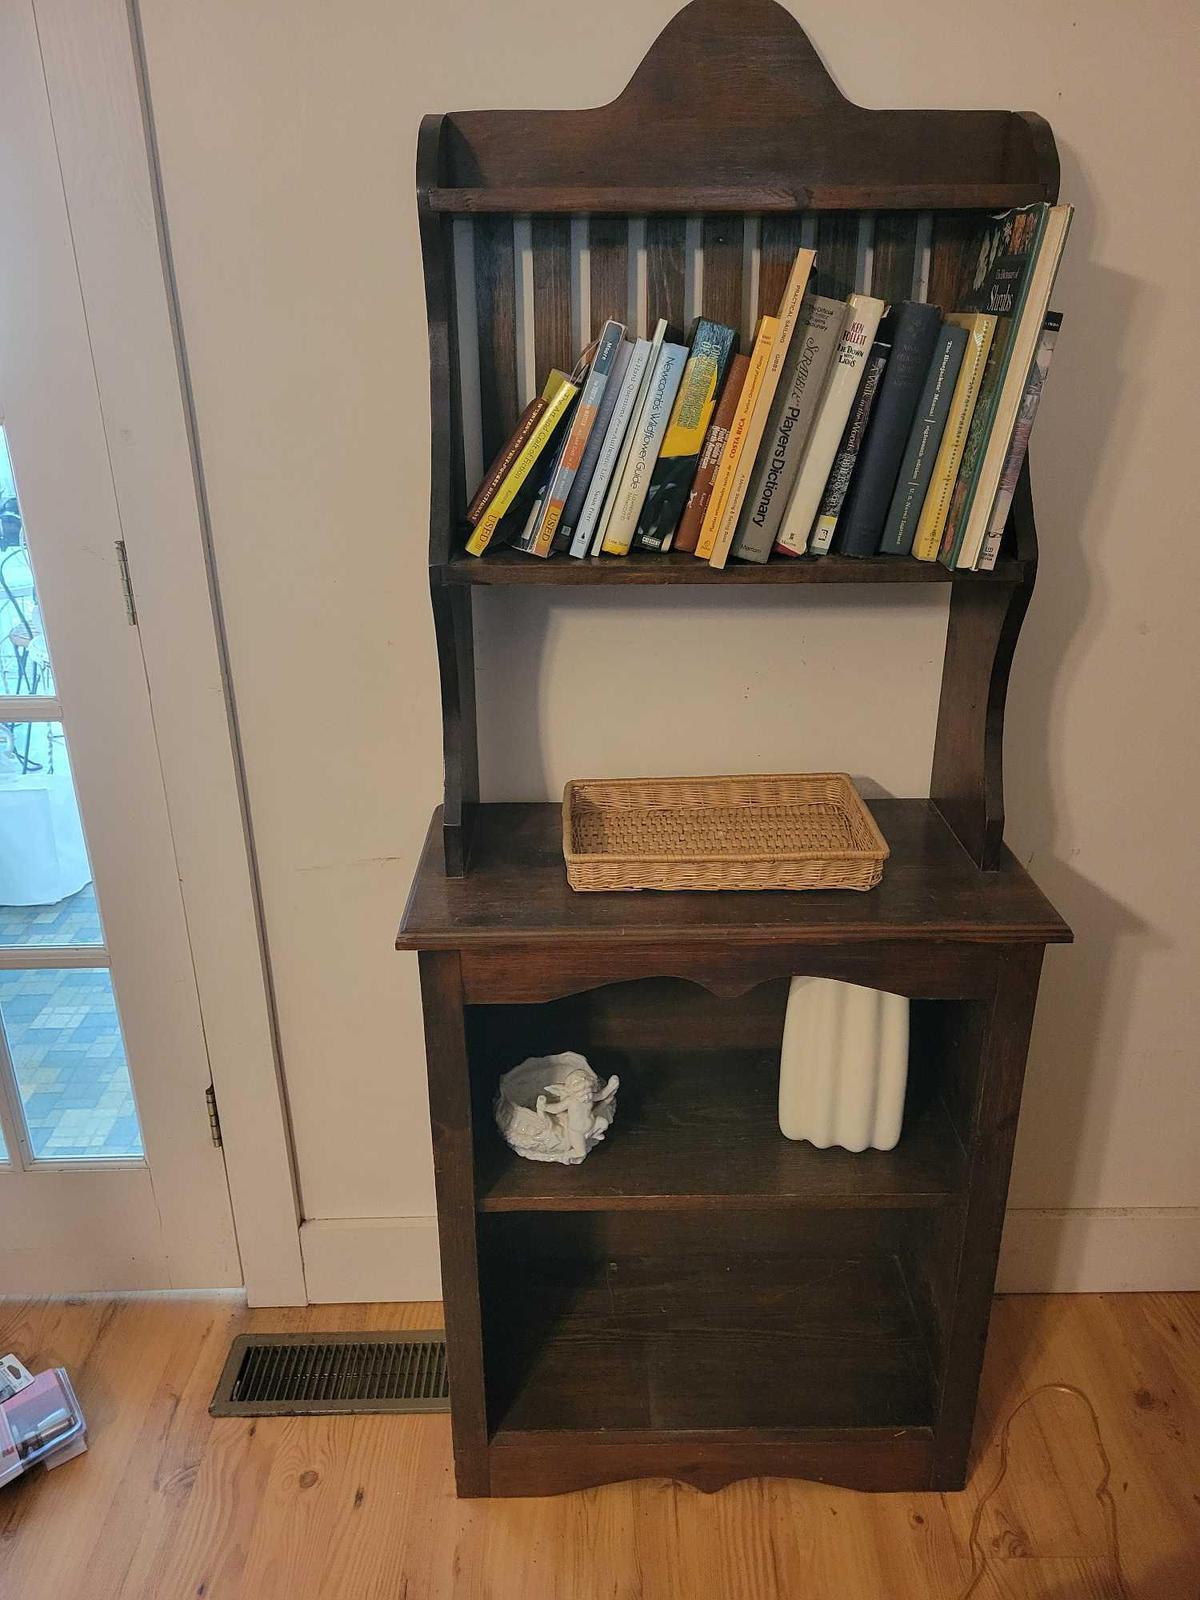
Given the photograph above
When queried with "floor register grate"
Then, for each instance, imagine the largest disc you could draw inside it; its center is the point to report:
(297, 1374)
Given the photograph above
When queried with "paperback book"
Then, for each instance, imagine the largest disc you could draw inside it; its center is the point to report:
(739, 480)
(565, 536)
(1013, 282)
(700, 490)
(1019, 444)
(764, 340)
(980, 329)
(843, 463)
(863, 314)
(588, 531)
(820, 327)
(711, 346)
(625, 444)
(647, 435)
(563, 392)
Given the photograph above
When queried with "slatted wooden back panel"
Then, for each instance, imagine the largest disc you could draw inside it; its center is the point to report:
(530, 292)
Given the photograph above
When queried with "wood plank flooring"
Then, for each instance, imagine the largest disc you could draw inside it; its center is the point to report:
(1086, 1484)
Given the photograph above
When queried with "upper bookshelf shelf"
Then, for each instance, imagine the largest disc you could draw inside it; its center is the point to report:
(503, 568)
(576, 199)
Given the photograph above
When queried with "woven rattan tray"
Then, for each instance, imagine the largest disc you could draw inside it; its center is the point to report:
(809, 831)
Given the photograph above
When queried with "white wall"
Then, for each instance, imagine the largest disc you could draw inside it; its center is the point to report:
(286, 134)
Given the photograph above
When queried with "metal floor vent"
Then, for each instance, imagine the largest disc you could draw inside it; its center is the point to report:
(299, 1374)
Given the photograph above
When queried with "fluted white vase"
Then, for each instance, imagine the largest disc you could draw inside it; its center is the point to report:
(844, 1067)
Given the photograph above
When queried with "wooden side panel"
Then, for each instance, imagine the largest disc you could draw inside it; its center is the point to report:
(454, 631)
(837, 254)
(967, 781)
(894, 261)
(665, 262)
(496, 322)
(553, 343)
(994, 1128)
(722, 239)
(608, 254)
(454, 1176)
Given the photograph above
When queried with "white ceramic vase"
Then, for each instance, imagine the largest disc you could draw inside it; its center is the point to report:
(844, 1067)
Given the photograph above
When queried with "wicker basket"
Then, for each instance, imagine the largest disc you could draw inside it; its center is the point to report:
(810, 831)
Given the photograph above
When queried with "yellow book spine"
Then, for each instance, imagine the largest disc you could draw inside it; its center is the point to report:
(768, 330)
(520, 469)
(927, 540)
(789, 315)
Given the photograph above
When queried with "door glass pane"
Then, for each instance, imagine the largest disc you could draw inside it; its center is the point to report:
(64, 1041)
(46, 894)
(24, 655)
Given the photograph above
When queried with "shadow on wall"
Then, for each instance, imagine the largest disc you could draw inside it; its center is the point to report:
(1085, 1001)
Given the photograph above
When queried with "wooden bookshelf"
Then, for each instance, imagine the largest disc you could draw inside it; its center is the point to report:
(703, 1299)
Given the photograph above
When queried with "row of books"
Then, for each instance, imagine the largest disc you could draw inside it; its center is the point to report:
(850, 426)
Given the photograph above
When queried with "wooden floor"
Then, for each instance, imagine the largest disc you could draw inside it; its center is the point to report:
(1086, 1484)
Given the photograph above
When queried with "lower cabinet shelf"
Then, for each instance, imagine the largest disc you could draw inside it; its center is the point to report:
(710, 1344)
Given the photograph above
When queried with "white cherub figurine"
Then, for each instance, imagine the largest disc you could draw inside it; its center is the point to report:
(553, 1108)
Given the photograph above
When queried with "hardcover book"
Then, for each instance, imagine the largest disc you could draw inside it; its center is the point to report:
(631, 431)
(508, 453)
(764, 339)
(914, 331)
(843, 463)
(526, 460)
(586, 537)
(932, 518)
(591, 453)
(863, 313)
(540, 481)
(820, 327)
(916, 468)
(647, 437)
(710, 348)
(603, 355)
(743, 465)
(1019, 444)
(512, 447)
(700, 491)
(1014, 282)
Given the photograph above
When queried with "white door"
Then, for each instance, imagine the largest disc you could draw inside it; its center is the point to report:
(109, 1174)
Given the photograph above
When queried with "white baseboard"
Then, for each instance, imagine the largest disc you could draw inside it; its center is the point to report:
(371, 1258)
(1063, 1252)
(1100, 1250)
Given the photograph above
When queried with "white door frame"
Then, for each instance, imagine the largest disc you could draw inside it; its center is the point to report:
(94, 66)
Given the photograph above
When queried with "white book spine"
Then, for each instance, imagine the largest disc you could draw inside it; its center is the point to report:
(631, 434)
(618, 426)
(648, 438)
(821, 446)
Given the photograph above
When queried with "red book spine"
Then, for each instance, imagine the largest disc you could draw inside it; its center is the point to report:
(690, 523)
(498, 470)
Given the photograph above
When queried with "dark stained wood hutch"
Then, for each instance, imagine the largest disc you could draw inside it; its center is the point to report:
(703, 1300)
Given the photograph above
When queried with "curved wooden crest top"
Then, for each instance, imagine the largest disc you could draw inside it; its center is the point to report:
(732, 97)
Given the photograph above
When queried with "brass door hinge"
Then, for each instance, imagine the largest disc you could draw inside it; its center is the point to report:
(214, 1119)
(126, 583)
